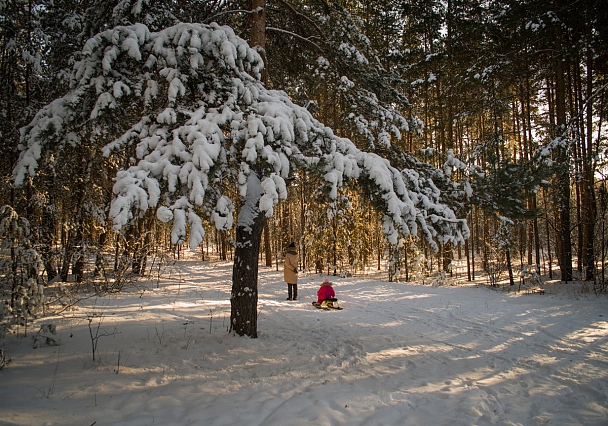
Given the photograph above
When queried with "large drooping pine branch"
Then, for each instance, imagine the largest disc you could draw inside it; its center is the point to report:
(187, 107)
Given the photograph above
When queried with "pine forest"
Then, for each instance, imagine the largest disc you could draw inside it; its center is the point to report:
(420, 139)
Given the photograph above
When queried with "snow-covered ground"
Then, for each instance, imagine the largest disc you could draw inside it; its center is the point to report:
(398, 354)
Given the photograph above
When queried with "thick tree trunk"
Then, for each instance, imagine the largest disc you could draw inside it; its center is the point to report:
(244, 297)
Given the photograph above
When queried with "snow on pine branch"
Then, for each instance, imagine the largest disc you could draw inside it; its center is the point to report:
(188, 105)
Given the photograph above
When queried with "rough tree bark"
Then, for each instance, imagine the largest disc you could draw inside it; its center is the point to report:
(244, 297)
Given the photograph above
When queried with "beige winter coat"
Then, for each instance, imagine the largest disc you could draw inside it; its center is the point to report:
(291, 265)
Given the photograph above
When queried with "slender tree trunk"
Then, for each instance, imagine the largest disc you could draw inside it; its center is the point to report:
(78, 267)
(258, 42)
(485, 239)
(509, 266)
(588, 184)
(379, 252)
(603, 207)
(405, 264)
(563, 173)
(74, 236)
(258, 33)
(536, 233)
(466, 251)
(563, 206)
(49, 221)
(267, 246)
(302, 197)
(548, 232)
(474, 242)
(578, 136)
(138, 242)
(67, 257)
(447, 256)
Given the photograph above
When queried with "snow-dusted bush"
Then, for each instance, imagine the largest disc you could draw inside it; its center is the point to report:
(21, 265)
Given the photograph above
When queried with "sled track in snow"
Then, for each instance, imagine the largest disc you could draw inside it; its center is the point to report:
(320, 336)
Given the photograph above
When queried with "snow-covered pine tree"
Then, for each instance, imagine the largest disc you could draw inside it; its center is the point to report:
(204, 137)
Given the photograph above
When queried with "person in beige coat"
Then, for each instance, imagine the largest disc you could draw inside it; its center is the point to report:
(290, 271)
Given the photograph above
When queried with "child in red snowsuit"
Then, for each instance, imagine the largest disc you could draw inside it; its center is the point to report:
(326, 291)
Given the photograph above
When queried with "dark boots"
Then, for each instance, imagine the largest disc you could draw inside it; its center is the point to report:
(292, 292)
